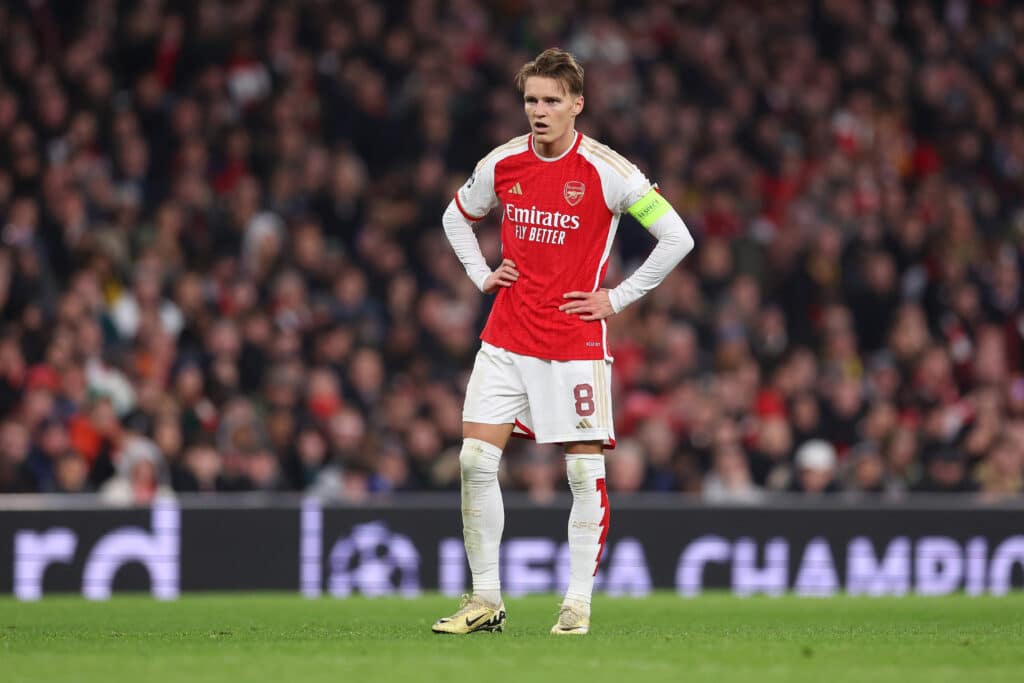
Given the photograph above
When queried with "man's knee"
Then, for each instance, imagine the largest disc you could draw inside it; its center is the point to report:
(479, 460)
(583, 470)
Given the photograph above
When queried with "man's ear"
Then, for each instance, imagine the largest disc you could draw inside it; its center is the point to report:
(577, 106)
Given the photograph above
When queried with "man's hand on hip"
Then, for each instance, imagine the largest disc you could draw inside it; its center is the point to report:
(504, 276)
(588, 306)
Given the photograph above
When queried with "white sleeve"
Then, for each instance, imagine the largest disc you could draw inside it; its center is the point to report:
(624, 185)
(459, 232)
(674, 242)
(629, 190)
(622, 182)
(476, 197)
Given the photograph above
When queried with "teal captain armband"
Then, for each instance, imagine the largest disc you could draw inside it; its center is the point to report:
(649, 208)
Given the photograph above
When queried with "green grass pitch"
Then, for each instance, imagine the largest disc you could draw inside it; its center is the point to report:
(283, 638)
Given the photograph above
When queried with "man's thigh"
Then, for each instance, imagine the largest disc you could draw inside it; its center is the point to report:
(569, 401)
(495, 394)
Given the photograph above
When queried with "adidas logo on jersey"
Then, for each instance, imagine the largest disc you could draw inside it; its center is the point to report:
(516, 189)
(584, 424)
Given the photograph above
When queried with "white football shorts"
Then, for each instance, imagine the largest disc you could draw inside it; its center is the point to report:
(547, 400)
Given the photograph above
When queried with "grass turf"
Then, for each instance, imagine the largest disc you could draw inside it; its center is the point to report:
(282, 638)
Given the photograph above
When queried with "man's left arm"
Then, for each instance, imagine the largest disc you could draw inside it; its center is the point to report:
(656, 214)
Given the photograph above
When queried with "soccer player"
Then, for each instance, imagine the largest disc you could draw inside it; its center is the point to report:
(543, 370)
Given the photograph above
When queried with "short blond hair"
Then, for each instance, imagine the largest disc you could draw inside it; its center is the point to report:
(557, 64)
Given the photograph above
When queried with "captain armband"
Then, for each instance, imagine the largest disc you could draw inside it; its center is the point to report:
(649, 208)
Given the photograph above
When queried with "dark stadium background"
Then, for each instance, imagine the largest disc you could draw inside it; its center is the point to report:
(222, 268)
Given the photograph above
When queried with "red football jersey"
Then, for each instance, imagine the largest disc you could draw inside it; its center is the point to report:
(559, 220)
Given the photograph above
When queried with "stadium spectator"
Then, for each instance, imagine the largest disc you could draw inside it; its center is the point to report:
(730, 480)
(140, 475)
(219, 232)
(1000, 473)
(946, 471)
(815, 468)
(626, 466)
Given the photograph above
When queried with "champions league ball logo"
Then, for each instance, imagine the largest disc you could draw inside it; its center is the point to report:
(374, 561)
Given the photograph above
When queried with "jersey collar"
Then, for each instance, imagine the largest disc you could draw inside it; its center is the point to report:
(569, 150)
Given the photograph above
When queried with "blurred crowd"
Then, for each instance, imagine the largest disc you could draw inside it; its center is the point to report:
(222, 267)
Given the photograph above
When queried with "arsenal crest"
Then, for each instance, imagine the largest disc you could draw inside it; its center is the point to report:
(573, 192)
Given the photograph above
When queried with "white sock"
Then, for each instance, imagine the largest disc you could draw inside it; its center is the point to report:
(588, 526)
(483, 516)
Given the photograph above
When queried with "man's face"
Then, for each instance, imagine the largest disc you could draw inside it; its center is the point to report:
(550, 109)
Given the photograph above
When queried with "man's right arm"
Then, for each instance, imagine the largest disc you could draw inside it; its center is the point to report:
(460, 235)
(459, 232)
(472, 203)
